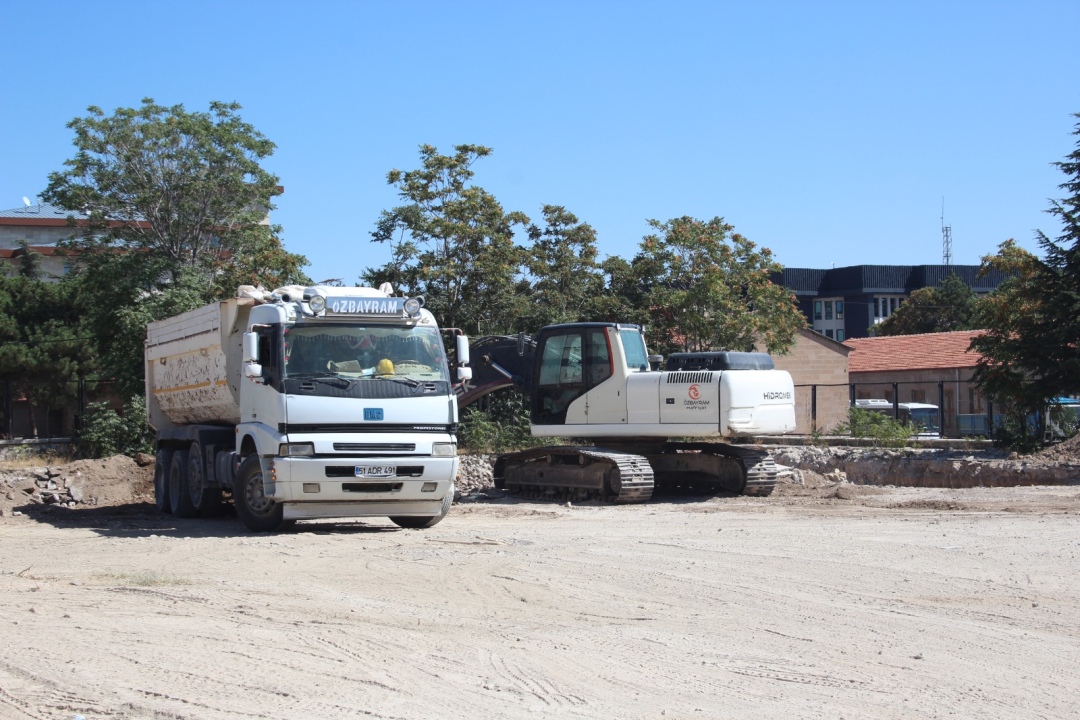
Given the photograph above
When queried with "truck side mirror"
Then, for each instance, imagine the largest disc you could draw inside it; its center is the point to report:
(251, 348)
(462, 350)
(253, 371)
(464, 373)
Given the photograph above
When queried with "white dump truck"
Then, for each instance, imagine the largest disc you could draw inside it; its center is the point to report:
(304, 403)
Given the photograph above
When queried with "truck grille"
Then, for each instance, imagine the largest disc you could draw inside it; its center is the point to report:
(338, 471)
(375, 447)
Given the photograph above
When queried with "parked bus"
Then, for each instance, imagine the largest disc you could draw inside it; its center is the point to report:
(921, 415)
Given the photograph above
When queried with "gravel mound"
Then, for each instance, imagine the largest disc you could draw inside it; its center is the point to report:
(116, 480)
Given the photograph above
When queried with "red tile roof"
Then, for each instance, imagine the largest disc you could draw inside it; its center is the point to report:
(913, 352)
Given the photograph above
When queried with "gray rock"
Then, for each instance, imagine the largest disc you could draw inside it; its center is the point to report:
(76, 494)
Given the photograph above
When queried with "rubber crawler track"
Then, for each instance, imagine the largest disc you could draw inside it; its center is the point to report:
(631, 476)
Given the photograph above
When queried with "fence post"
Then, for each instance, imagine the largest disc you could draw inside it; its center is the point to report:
(941, 408)
(813, 409)
(9, 423)
(896, 401)
(852, 393)
(80, 407)
(989, 418)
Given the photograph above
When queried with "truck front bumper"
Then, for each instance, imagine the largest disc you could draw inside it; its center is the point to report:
(328, 487)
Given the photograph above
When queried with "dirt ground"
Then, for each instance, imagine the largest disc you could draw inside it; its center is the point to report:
(839, 601)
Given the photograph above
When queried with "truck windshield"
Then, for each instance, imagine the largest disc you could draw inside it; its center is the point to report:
(365, 352)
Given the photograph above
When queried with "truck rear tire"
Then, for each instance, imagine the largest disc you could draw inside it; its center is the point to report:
(426, 522)
(179, 497)
(205, 499)
(162, 462)
(255, 510)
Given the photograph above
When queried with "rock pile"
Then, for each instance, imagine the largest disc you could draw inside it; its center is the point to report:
(40, 486)
(474, 478)
(116, 480)
(910, 467)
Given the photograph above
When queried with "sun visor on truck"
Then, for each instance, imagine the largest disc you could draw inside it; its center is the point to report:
(719, 361)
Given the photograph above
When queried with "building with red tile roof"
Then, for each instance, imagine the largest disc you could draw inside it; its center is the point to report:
(934, 368)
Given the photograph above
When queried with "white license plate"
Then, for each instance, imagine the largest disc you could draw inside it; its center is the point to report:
(375, 471)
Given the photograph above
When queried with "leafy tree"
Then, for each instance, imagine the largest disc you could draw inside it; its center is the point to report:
(566, 277)
(1031, 348)
(29, 262)
(950, 306)
(625, 294)
(106, 432)
(176, 202)
(44, 343)
(453, 243)
(709, 289)
(184, 186)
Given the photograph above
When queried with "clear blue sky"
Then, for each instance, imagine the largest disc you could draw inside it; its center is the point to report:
(828, 132)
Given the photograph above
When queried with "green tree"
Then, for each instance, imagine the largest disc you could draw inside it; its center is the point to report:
(710, 289)
(1031, 348)
(184, 186)
(950, 306)
(29, 262)
(453, 243)
(45, 346)
(562, 262)
(176, 202)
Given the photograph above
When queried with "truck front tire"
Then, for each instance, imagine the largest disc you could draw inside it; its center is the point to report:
(426, 522)
(255, 510)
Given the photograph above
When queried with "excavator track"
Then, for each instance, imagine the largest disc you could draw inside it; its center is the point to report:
(758, 466)
(575, 473)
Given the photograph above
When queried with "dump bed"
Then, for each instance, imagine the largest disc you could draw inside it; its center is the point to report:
(194, 365)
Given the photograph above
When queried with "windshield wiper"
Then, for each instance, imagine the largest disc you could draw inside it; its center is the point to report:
(403, 380)
(327, 378)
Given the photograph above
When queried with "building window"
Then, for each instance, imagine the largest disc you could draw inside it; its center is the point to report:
(817, 309)
(839, 309)
(840, 335)
(828, 333)
(892, 305)
(828, 309)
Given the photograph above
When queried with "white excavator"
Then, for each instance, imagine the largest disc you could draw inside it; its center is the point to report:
(642, 427)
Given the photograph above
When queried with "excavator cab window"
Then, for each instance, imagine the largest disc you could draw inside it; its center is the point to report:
(560, 379)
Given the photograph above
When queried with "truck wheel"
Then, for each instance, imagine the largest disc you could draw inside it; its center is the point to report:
(206, 500)
(162, 461)
(179, 498)
(255, 510)
(426, 522)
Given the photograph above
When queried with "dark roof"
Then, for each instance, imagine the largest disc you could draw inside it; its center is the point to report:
(898, 279)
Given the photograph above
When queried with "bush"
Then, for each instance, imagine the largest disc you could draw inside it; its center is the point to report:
(885, 431)
(498, 423)
(105, 433)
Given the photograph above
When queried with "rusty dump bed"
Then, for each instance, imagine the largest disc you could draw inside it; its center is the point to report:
(194, 365)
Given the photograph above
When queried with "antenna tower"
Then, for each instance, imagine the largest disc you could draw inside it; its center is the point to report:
(946, 239)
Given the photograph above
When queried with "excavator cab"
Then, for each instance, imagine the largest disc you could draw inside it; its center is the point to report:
(571, 362)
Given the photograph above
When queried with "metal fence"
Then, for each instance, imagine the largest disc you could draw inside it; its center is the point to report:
(961, 410)
(22, 416)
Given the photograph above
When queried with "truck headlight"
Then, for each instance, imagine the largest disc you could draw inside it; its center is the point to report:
(443, 450)
(296, 450)
(317, 303)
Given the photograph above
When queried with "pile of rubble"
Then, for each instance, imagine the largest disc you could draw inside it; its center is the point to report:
(912, 467)
(475, 478)
(116, 480)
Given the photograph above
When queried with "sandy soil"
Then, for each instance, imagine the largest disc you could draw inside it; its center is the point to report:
(839, 601)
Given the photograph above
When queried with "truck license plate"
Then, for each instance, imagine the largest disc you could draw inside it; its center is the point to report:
(375, 471)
